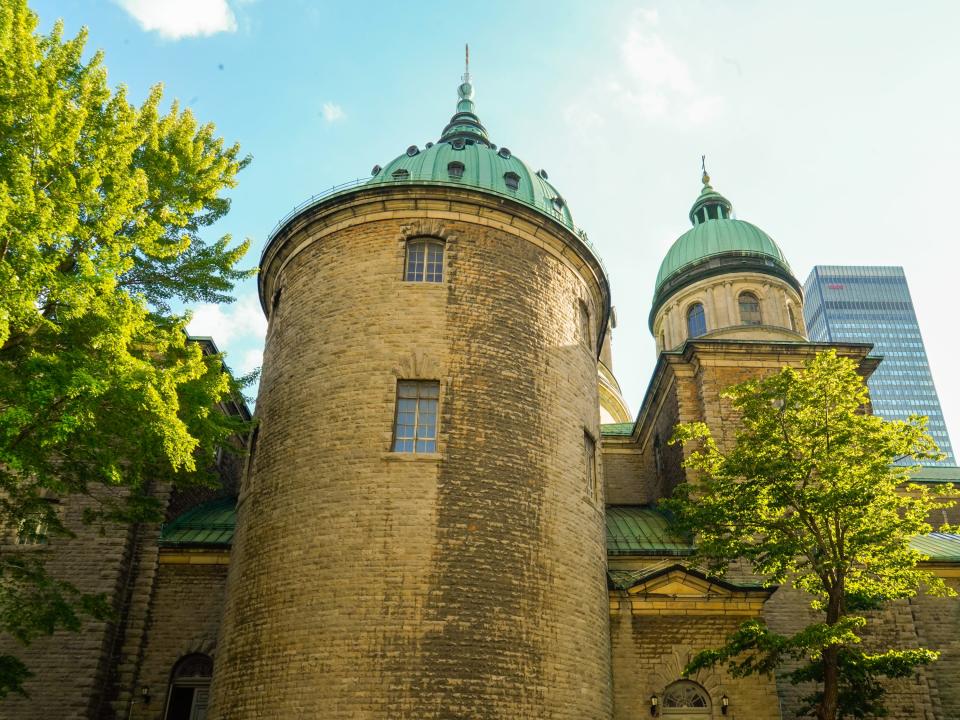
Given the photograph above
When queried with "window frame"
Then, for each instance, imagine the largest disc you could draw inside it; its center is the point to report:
(686, 687)
(584, 325)
(34, 530)
(198, 685)
(428, 269)
(592, 477)
(427, 393)
(688, 316)
(759, 311)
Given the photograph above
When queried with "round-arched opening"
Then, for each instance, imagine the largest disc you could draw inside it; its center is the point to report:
(749, 309)
(696, 321)
(685, 700)
(189, 693)
(792, 318)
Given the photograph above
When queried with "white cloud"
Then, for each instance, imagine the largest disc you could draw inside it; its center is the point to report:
(659, 82)
(333, 112)
(583, 118)
(652, 63)
(175, 19)
(228, 324)
(249, 361)
(653, 81)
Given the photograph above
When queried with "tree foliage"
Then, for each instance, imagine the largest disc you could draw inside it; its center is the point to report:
(809, 494)
(102, 205)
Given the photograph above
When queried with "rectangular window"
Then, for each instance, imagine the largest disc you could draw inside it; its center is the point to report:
(583, 321)
(33, 529)
(590, 457)
(415, 427)
(424, 261)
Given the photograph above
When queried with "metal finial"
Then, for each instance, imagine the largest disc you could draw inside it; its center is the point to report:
(466, 65)
(703, 165)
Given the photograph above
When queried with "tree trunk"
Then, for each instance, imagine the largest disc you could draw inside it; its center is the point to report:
(831, 685)
(827, 710)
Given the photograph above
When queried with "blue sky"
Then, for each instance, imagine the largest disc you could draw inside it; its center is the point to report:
(832, 126)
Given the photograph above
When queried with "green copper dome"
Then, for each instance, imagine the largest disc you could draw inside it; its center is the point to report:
(716, 233)
(718, 237)
(717, 244)
(464, 155)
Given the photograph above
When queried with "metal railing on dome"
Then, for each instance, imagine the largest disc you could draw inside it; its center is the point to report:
(407, 178)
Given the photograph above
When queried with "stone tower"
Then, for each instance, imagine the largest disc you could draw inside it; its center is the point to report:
(421, 529)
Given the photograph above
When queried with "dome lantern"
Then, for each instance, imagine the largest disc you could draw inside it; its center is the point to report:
(465, 125)
(710, 205)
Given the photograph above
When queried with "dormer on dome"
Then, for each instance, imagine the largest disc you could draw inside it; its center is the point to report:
(724, 278)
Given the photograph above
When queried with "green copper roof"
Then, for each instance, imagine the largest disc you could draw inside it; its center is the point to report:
(718, 237)
(936, 474)
(464, 155)
(715, 234)
(940, 547)
(617, 429)
(642, 530)
(208, 525)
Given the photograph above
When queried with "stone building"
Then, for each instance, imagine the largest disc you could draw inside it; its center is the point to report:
(447, 510)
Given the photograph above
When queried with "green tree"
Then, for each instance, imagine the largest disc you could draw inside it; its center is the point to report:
(809, 495)
(102, 205)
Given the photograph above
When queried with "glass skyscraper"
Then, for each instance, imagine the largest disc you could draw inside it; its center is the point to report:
(871, 304)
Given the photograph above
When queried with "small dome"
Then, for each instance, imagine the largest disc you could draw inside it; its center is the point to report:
(464, 155)
(717, 244)
(718, 237)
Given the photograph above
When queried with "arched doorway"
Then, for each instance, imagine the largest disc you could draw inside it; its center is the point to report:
(685, 700)
(190, 688)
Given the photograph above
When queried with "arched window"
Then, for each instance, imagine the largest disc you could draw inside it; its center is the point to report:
(663, 340)
(749, 309)
(512, 180)
(190, 688)
(424, 261)
(696, 321)
(686, 699)
(455, 169)
(793, 319)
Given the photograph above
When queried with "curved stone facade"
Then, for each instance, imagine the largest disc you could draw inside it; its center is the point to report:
(781, 310)
(465, 583)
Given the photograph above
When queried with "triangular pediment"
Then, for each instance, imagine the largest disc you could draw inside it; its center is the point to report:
(671, 578)
(667, 588)
(679, 581)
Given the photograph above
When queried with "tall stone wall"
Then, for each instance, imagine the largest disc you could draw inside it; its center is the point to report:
(185, 619)
(896, 627)
(467, 583)
(72, 670)
(650, 651)
(937, 622)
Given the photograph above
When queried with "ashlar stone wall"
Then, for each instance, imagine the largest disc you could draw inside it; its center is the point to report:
(465, 583)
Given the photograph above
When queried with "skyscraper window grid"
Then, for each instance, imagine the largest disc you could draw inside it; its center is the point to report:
(872, 304)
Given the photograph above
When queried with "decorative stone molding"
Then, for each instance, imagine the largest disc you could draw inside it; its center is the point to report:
(418, 365)
(425, 228)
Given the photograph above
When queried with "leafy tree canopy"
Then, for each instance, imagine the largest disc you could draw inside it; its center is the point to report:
(102, 205)
(809, 495)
